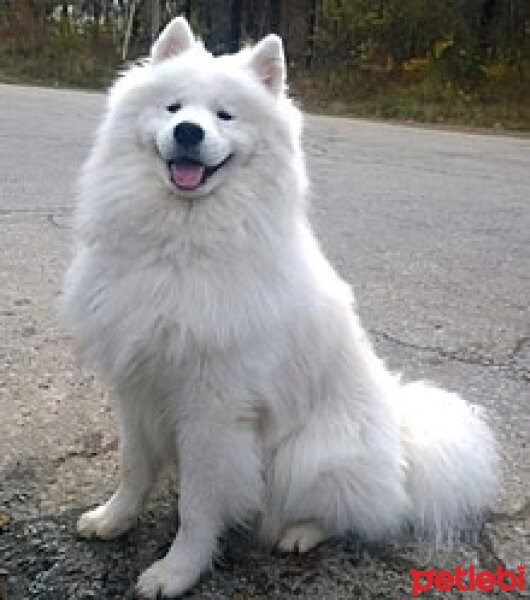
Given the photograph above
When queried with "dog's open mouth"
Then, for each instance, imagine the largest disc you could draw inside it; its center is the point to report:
(188, 174)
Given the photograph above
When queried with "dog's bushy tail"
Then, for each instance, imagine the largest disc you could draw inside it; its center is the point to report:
(451, 457)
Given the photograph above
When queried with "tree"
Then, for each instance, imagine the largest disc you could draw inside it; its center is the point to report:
(236, 12)
(311, 31)
(155, 19)
(275, 15)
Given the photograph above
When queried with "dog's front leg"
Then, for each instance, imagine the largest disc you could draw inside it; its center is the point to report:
(138, 466)
(220, 483)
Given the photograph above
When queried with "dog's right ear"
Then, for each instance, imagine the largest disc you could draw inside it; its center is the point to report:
(176, 38)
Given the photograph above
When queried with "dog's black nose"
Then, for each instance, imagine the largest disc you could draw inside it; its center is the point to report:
(188, 134)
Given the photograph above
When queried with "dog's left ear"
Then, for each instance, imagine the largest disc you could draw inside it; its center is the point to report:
(176, 38)
(268, 63)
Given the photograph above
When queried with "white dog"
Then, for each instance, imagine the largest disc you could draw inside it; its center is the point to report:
(201, 295)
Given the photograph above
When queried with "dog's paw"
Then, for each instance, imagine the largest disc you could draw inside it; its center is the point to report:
(104, 522)
(164, 579)
(302, 537)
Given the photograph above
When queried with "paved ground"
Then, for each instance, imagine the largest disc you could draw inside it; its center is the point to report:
(433, 230)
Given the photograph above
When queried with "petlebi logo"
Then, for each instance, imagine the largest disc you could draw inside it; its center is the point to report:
(468, 580)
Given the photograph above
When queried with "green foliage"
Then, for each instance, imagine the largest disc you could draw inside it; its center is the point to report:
(463, 35)
(60, 47)
(421, 60)
(460, 61)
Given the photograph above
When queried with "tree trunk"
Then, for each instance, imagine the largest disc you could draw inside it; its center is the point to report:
(236, 7)
(311, 32)
(275, 15)
(128, 30)
(487, 19)
(155, 19)
(251, 29)
(187, 10)
(97, 17)
(208, 16)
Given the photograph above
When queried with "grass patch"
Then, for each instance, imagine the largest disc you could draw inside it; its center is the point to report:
(499, 102)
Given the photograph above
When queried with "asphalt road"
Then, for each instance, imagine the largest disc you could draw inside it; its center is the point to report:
(432, 228)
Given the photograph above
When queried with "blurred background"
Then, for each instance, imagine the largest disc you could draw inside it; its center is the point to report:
(456, 61)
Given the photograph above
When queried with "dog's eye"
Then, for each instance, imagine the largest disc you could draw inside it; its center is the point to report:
(225, 116)
(175, 107)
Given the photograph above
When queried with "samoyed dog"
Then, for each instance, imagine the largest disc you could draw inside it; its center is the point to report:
(232, 347)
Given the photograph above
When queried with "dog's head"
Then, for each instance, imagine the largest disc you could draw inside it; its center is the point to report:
(199, 120)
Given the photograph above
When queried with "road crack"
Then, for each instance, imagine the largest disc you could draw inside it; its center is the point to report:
(92, 446)
(463, 355)
(35, 211)
(521, 513)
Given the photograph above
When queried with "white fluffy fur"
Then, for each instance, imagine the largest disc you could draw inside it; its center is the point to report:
(230, 342)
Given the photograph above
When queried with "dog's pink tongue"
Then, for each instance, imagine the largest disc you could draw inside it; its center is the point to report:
(187, 176)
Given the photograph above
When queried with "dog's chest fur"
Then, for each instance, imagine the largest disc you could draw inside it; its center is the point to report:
(174, 313)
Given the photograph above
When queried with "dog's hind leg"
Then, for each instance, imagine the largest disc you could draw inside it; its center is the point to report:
(302, 537)
(138, 466)
(330, 477)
